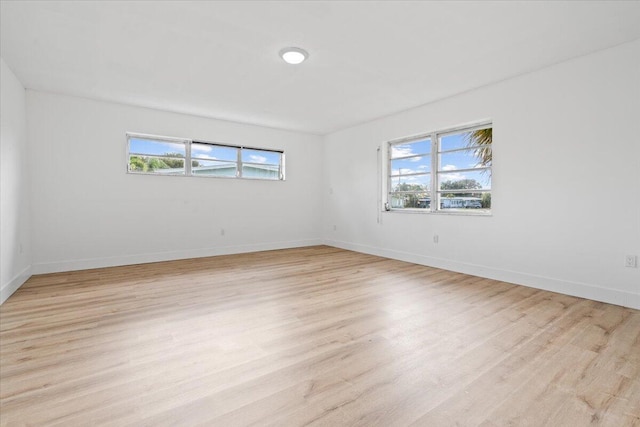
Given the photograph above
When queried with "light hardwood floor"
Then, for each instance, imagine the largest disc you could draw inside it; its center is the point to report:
(311, 336)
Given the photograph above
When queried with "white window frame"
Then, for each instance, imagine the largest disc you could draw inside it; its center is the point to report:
(434, 191)
(189, 158)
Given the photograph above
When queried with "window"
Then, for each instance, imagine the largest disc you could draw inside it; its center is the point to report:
(410, 174)
(172, 156)
(448, 171)
(157, 156)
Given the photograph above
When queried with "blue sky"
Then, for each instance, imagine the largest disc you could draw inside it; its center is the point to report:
(449, 162)
(213, 152)
(202, 151)
(259, 156)
(145, 146)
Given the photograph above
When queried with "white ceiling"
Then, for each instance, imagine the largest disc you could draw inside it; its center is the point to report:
(367, 59)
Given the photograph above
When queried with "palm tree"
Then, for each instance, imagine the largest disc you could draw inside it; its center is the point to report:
(481, 140)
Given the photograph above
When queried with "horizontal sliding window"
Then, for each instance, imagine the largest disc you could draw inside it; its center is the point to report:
(171, 156)
(260, 164)
(214, 160)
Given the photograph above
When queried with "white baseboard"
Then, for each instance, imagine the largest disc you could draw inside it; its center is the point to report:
(9, 288)
(582, 290)
(88, 263)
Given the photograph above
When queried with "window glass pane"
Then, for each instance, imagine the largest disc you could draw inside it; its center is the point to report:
(259, 156)
(454, 141)
(213, 168)
(156, 165)
(466, 159)
(463, 178)
(156, 147)
(213, 152)
(410, 183)
(405, 149)
(168, 157)
(420, 164)
(409, 200)
(460, 181)
(478, 202)
(475, 138)
(261, 171)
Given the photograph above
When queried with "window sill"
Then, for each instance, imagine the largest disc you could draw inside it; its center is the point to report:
(444, 213)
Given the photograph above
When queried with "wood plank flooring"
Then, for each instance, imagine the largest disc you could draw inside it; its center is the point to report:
(312, 336)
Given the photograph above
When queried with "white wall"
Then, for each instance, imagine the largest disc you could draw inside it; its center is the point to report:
(566, 182)
(566, 204)
(87, 212)
(15, 239)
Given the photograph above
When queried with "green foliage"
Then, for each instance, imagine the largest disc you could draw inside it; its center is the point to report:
(154, 163)
(481, 140)
(486, 200)
(462, 184)
(137, 164)
(403, 186)
(150, 164)
(411, 200)
(173, 163)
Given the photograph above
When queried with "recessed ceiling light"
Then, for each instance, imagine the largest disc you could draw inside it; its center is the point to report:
(293, 55)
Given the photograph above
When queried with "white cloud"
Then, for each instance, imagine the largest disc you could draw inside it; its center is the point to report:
(413, 179)
(257, 159)
(404, 151)
(410, 179)
(404, 171)
(401, 151)
(172, 147)
(453, 177)
(203, 148)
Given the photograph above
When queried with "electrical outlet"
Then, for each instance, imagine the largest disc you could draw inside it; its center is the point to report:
(631, 261)
(435, 238)
(222, 231)
(334, 227)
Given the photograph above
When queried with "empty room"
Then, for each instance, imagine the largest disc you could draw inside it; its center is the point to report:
(292, 213)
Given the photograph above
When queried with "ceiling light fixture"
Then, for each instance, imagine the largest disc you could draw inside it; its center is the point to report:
(293, 55)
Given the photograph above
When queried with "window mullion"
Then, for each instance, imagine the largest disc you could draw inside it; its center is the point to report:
(389, 189)
(434, 172)
(239, 163)
(410, 157)
(281, 168)
(187, 166)
(409, 174)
